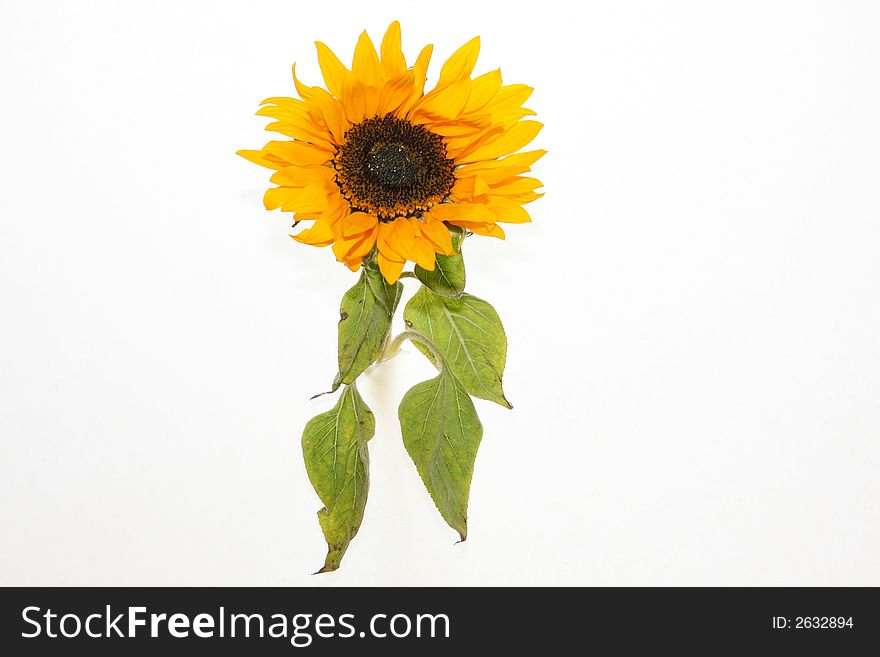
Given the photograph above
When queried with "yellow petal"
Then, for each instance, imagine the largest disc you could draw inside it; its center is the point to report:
(395, 93)
(372, 101)
(511, 141)
(458, 146)
(483, 90)
(507, 211)
(493, 231)
(461, 64)
(509, 97)
(445, 103)
(423, 253)
(528, 197)
(437, 233)
(258, 157)
(354, 100)
(335, 210)
(389, 267)
(469, 189)
(493, 171)
(298, 176)
(295, 199)
(454, 212)
(284, 108)
(396, 239)
(509, 117)
(463, 190)
(295, 120)
(516, 185)
(357, 223)
(300, 132)
(354, 264)
(353, 248)
(331, 68)
(320, 234)
(304, 92)
(393, 61)
(481, 228)
(365, 64)
(420, 68)
(331, 111)
(456, 129)
(298, 152)
(420, 72)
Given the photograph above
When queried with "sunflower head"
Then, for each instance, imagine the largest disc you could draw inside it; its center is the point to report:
(383, 168)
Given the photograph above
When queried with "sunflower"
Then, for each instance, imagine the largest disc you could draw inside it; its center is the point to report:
(382, 168)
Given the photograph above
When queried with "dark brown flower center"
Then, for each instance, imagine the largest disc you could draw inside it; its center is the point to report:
(392, 168)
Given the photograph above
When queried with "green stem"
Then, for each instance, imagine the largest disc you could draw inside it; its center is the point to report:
(407, 274)
(413, 336)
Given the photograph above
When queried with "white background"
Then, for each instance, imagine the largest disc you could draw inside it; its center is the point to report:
(693, 316)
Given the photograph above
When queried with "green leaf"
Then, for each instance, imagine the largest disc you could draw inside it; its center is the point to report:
(448, 277)
(364, 321)
(469, 335)
(441, 432)
(386, 294)
(335, 450)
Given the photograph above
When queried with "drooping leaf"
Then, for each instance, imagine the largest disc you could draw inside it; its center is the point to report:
(335, 450)
(441, 432)
(364, 321)
(469, 335)
(448, 277)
